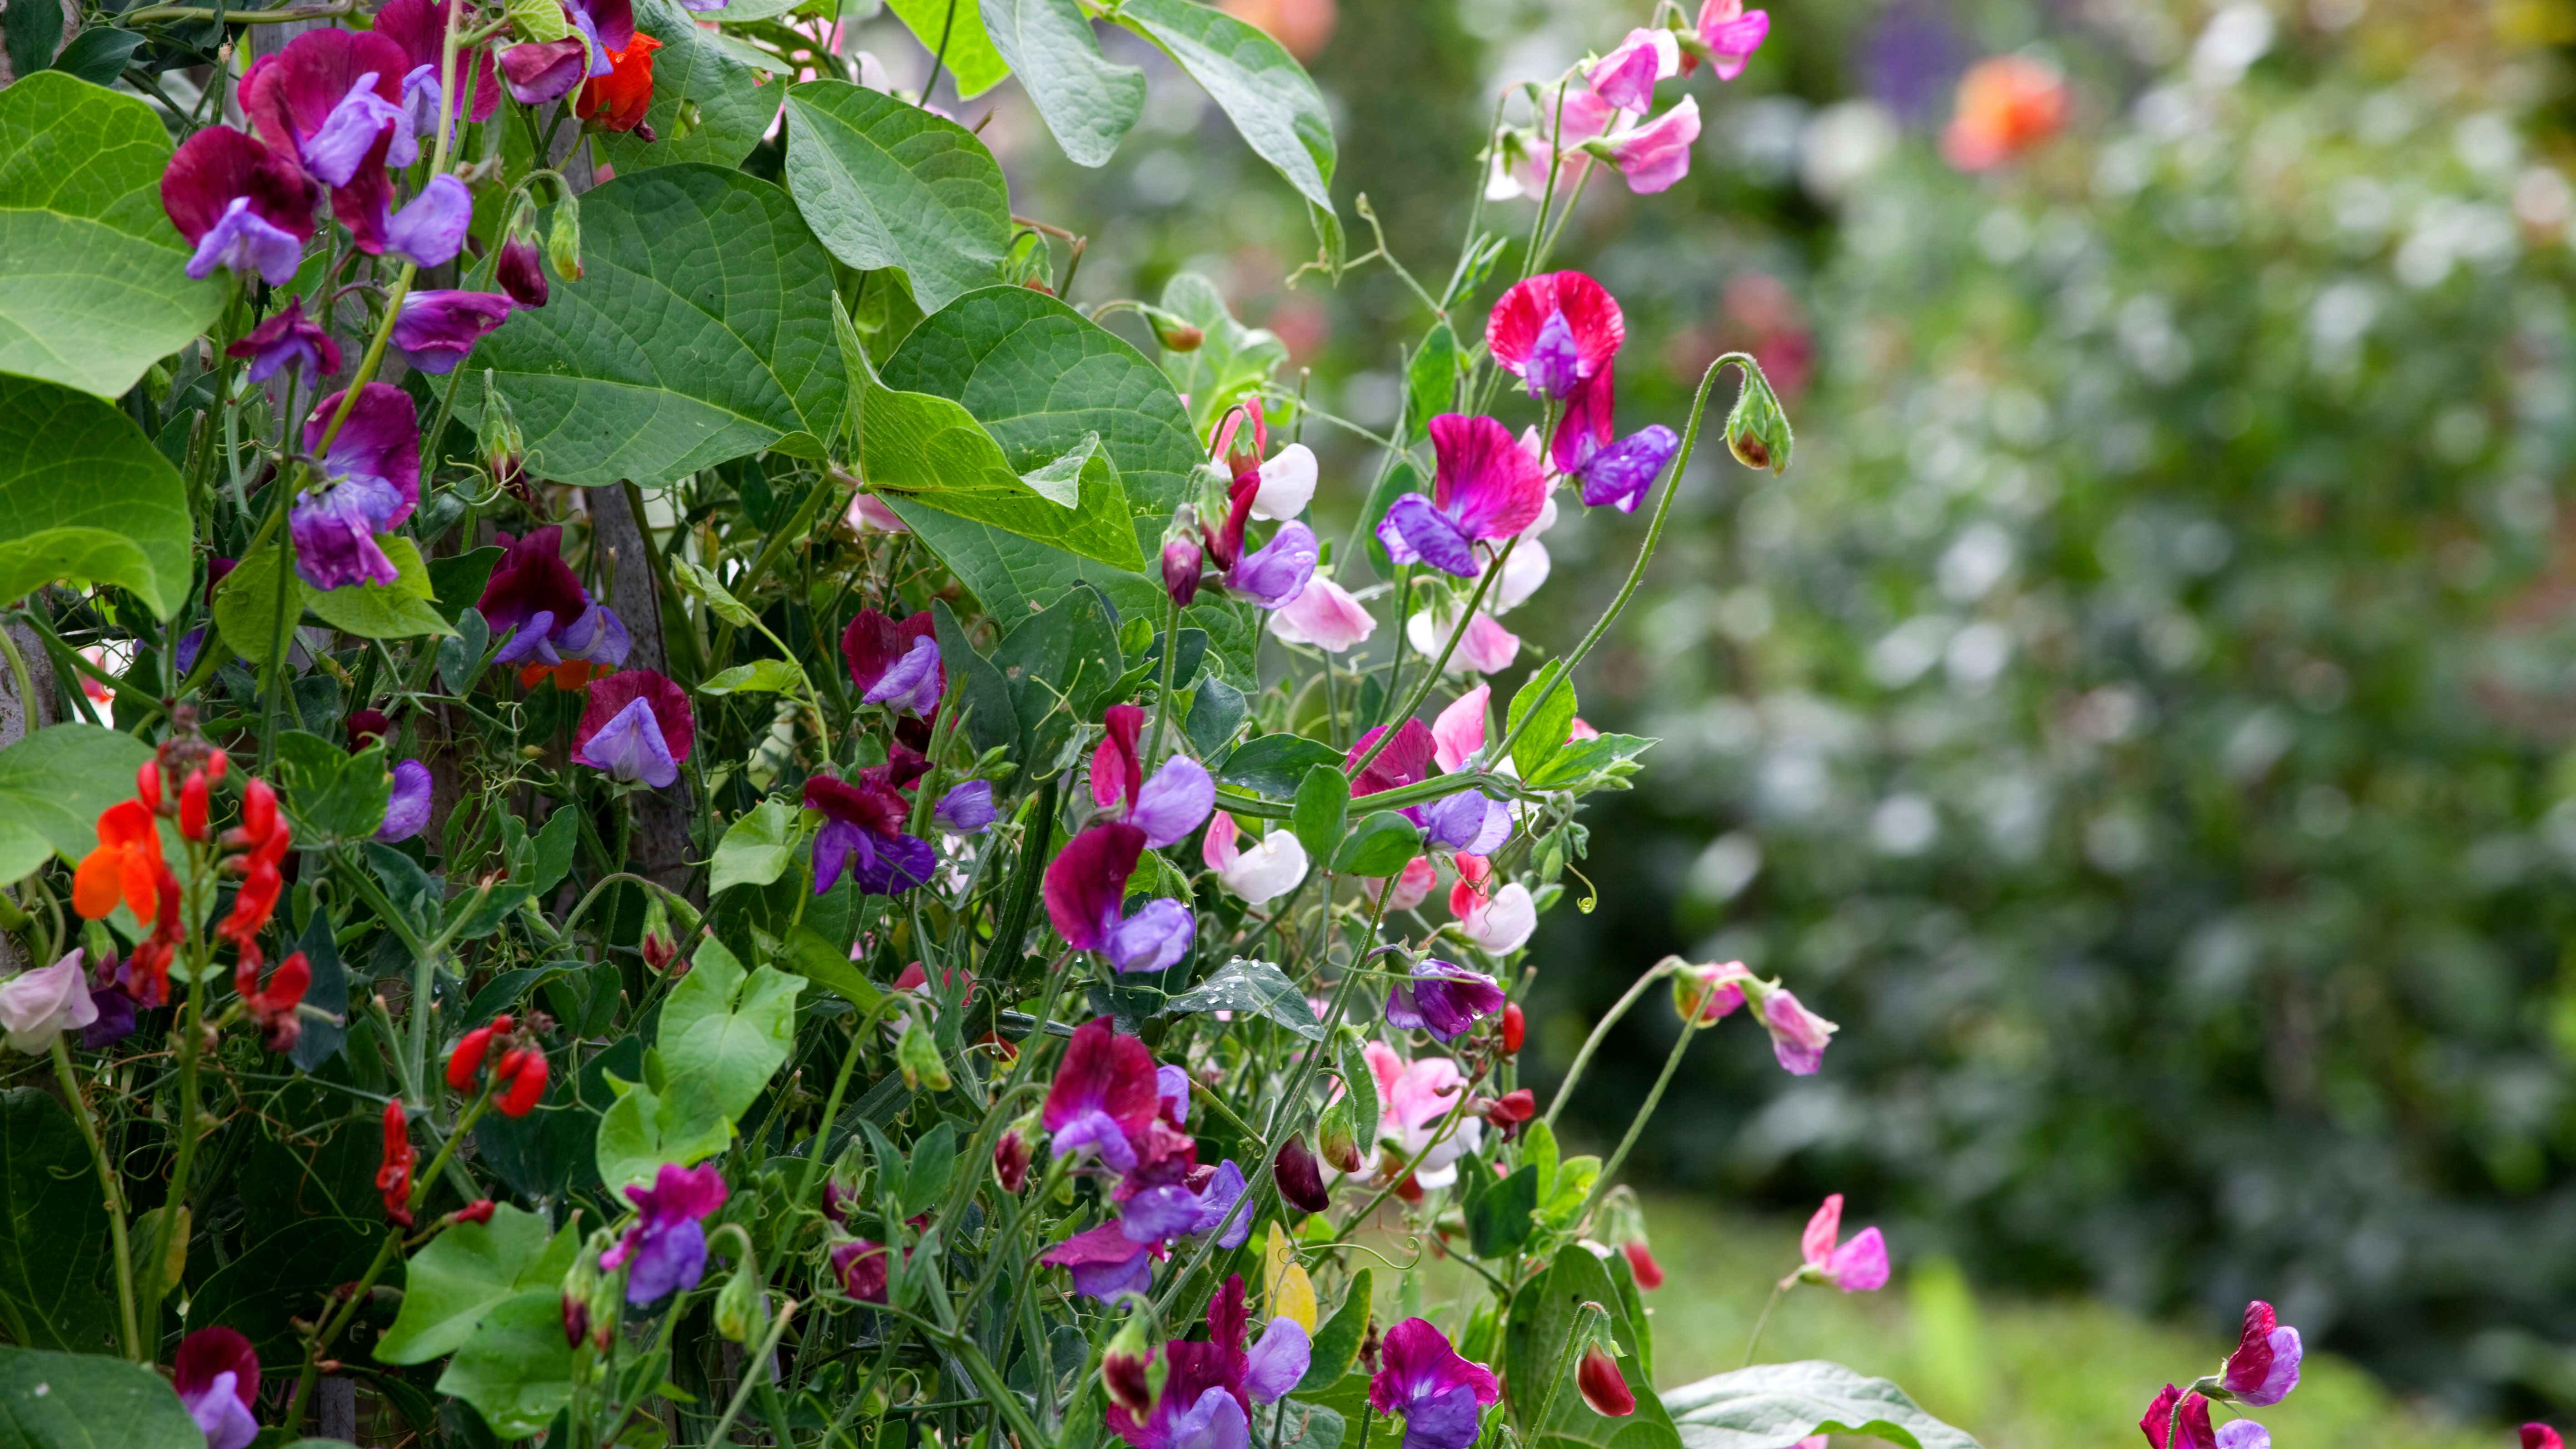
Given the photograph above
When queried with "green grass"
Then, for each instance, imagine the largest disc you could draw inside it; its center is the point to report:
(2017, 1374)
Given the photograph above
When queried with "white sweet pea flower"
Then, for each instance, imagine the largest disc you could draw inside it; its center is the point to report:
(1287, 484)
(37, 1006)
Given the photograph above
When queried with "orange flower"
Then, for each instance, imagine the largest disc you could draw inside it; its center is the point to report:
(124, 866)
(618, 98)
(2007, 105)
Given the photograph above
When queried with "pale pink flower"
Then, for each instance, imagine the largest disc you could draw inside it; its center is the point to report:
(1413, 1100)
(1523, 573)
(1657, 154)
(1859, 1266)
(1412, 885)
(1460, 729)
(1488, 646)
(1269, 869)
(1503, 924)
(1287, 484)
(1324, 615)
(1730, 33)
(869, 514)
(1626, 76)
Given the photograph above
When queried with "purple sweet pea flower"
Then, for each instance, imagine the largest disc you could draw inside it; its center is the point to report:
(436, 329)
(636, 727)
(216, 1375)
(912, 683)
(666, 1246)
(286, 339)
(1798, 1036)
(114, 1007)
(1173, 802)
(596, 636)
(1172, 1088)
(540, 71)
(2265, 1366)
(371, 481)
(420, 28)
(966, 809)
(863, 835)
(1443, 999)
(629, 746)
(408, 810)
(1274, 574)
(1155, 938)
(1615, 473)
(430, 229)
(1278, 1361)
(1209, 1385)
(1437, 1392)
(1485, 487)
(1105, 1264)
(1177, 1210)
(1104, 1092)
(241, 204)
(1468, 823)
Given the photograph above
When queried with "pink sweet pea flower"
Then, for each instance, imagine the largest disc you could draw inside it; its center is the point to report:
(1483, 487)
(1657, 154)
(1626, 76)
(1459, 732)
(1438, 1393)
(1488, 647)
(2265, 1366)
(37, 1006)
(1859, 1266)
(1271, 868)
(667, 1243)
(1555, 332)
(1521, 159)
(1798, 1036)
(1412, 885)
(1729, 34)
(1324, 615)
(2541, 1436)
(1708, 994)
(1415, 1099)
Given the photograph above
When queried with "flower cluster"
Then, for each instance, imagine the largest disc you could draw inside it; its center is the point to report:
(1274, 575)
(1707, 994)
(518, 1074)
(1600, 110)
(549, 623)
(1111, 1110)
(1200, 1395)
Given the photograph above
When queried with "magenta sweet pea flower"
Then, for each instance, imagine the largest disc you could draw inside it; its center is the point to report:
(522, 272)
(1859, 1266)
(1615, 473)
(2541, 1436)
(420, 28)
(1657, 154)
(863, 835)
(1167, 807)
(537, 72)
(1443, 998)
(1202, 1202)
(241, 204)
(861, 1267)
(286, 339)
(2194, 1424)
(1086, 887)
(370, 484)
(1626, 76)
(637, 726)
(1210, 1386)
(1438, 1393)
(1555, 332)
(544, 615)
(878, 650)
(1484, 487)
(665, 1250)
(435, 329)
(333, 100)
(217, 1376)
(2265, 1366)
(1798, 1036)
(1105, 1262)
(1730, 34)
(408, 809)
(1103, 1094)
(1406, 760)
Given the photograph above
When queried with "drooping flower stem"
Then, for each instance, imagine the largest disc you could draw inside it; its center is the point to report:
(1601, 1029)
(1163, 696)
(107, 1181)
(1755, 1342)
(1637, 1124)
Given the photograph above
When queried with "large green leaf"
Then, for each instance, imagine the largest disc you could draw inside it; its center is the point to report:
(1772, 1404)
(53, 1230)
(1230, 360)
(1545, 1314)
(724, 1033)
(887, 184)
(702, 332)
(957, 26)
(1086, 99)
(62, 1401)
(757, 848)
(53, 784)
(332, 796)
(1258, 83)
(930, 451)
(94, 286)
(84, 496)
(465, 1273)
(692, 68)
(399, 610)
(516, 1369)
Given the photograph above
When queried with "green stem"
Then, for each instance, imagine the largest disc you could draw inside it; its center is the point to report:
(1601, 1029)
(1035, 836)
(73, 1095)
(1764, 1320)
(1431, 676)
(755, 1370)
(1163, 697)
(174, 1207)
(18, 672)
(311, 1374)
(1637, 1124)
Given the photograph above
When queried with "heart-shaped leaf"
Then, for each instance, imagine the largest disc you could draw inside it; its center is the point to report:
(84, 496)
(1772, 1404)
(888, 184)
(1260, 86)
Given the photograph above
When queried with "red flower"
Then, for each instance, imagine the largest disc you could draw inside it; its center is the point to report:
(477, 1211)
(527, 1085)
(275, 1007)
(1515, 1027)
(263, 838)
(1642, 1265)
(1603, 1387)
(624, 92)
(393, 1179)
(467, 1060)
(125, 864)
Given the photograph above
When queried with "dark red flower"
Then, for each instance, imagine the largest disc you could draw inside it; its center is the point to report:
(874, 644)
(1603, 1386)
(240, 203)
(393, 1178)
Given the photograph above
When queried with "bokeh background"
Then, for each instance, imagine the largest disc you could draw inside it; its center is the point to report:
(2141, 716)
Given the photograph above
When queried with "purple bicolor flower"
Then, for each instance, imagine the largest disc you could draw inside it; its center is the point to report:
(436, 329)
(1105, 1263)
(113, 1004)
(537, 72)
(1167, 807)
(1442, 998)
(1155, 938)
(1103, 1094)
(431, 227)
(335, 150)
(1210, 1386)
(1555, 332)
(1485, 487)
(629, 747)
(666, 1247)
(408, 809)
(1274, 574)
(370, 484)
(595, 635)
(863, 835)
(1172, 1092)
(1469, 823)
(240, 204)
(636, 726)
(912, 682)
(966, 809)
(2265, 1366)
(1439, 1394)
(522, 272)
(420, 28)
(1179, 1210)
(1086, 887)
(286, 339)
(1616, 473)
(333, 100)
(216, 1375)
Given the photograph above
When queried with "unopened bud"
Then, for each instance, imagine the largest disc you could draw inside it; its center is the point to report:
(1515, 1027)
(1126, 1368)
(1337, 1138)
(1173, 331)
(1301, 1182)
(497, 439)
(917, 1054)
(1183, 560)
(1604, 1388)
(563, 241)
(1011, 1160)
(657, 943)
(740, 1315)
(1757, 431)
(521, 272)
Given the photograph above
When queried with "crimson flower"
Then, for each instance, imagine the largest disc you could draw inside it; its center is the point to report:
(240, 204)
(1556, 332)
(2265, 1366)
(274, 1006)
(393, 1177)
(1438, 1393)
(216, 1375)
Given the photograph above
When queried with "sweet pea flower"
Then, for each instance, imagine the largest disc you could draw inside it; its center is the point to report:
(1411, 887)
(1707, 994)
(285, 340)
(1406, 759)
(1104, 1093)
(1443, 998)
(1467, 823)
(1287, 484)
(1439, 1393)
(333, 100)
(1458, 732)
(1858, 1266)
(1729, 34)
(966, 809)
(666, 1245)
(637, 726)
(1626, 76)
(420, 28)
(435, 329)
(407, 810)
(1523, 574)
(1616, 473)
(521, 271)
(1798, 1036)
(1086, 886)
(868, 513)
(861, 1266)
(429, 231)
(216, 1374)
(889, 664)
(547, 619)
(1655, 155)
(541, 71)
(1414, 1099)
(112, 995)
(1486, 648)
(1483, 487)
(863, 835)
(1208, 1387)
(2265, 1366)
(1325, 615)
(1555, 332)
(2194, 1425)
(1167, 807)
(1273, 575)
(1499, 925)
(1203, 1202)
(2541, 1436)
(1603, 1387)
(37, 1006)
(1104, 1261)
(241, 204)
(370, 484)
(1270, 869)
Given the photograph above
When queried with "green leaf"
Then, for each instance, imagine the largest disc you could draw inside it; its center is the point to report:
(63, 1401)
(1321, 809)
(99, 54)
(1336, 1345)
(1544, 1315)
(760, 676)
(1498, 1217)
(819, 961)
(887, 184)
(456, 583)
(693, 67)
(927, 450)
(1431, 381)
(33, 35)
(1254, 987)
(84, 496)
(460, 655)
(1547, 701)
(991, 720)
(1059, 480)
(1087, 100)
(756, 849)
(246, 605)
(555, 842)
(1216, 712)
(1777, 1403)
(701, 584)
(1384, 844)
(1230, 360)
(1059, 665)
(1591, 763)
(468, 1271)
(53, 1230)
(533, 20)
(702, 333)
(318, 1041)
(53, 784)
(1359, 1082)
(1275, 765)
(332, 796)
(723, 1033)
(931, 1163)
(1258, 83)
(399, 610)
(516, 1369)
(957, 27)
(94, 286)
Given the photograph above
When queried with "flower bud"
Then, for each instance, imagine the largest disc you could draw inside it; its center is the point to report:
(527, 1088)
(467, 1059)
(1515, 1027)
(1512, 1109)
(1642, 1265)
(740, 1314)
(563, 243)
(1011, 1159)
(1603, 1386)
(1182, 561)
(1757, 431)
(498, 441)
(259, 810)
(1126, 1366)
(1174, 331)
(521, 272)
(1705, 994)
(1301, 1182)
(477, 1211)
(659, 946)
(147, 785)
(1337, 1138)
(918, 1057)
(192, 806)
(216, 760)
